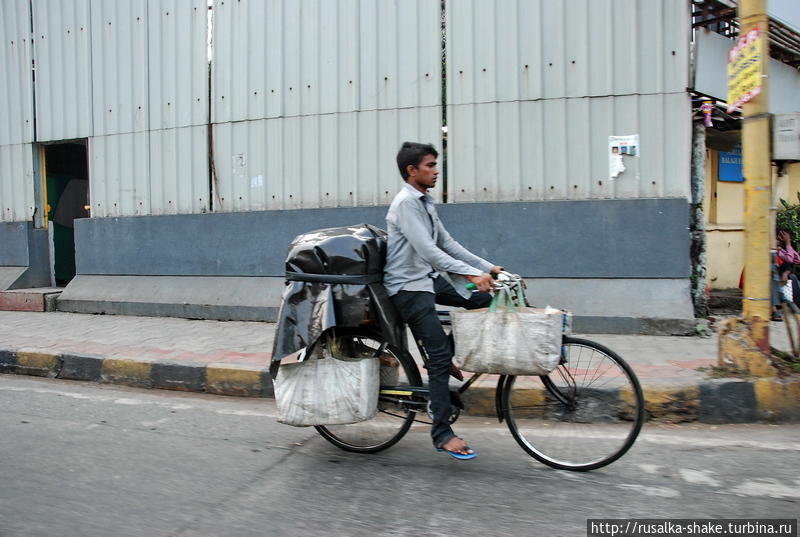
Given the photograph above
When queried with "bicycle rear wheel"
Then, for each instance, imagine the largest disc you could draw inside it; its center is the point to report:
(584, 415)
(394, 416)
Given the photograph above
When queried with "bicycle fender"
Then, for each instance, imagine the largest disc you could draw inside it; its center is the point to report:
(498, 397)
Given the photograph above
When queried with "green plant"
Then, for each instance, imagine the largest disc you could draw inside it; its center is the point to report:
(788, 218)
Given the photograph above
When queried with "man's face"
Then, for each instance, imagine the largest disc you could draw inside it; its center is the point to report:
(425, 174)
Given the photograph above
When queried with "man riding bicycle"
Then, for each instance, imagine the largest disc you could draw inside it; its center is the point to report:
(420, 254)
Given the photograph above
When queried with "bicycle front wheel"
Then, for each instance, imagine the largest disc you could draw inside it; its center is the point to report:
(584, 415)
(395, 415)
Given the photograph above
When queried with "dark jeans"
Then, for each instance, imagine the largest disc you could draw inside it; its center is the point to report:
(777, 299)
(418, 310)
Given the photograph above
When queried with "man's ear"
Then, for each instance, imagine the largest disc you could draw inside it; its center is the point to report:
(411, 170)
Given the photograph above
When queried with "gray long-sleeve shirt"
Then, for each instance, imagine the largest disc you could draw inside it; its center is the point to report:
(419, 246)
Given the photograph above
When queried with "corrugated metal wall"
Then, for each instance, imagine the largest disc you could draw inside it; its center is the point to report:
(311, 99)
(16, 182)
(284, 58)
(328, 90)
(559, 149)
(535, 88)
(178, 63)
(63, 55)
(163, 171)
(120, 71)
(323, 160)
(149, 152)
(16, 112)
(16, 84)
(132, 76)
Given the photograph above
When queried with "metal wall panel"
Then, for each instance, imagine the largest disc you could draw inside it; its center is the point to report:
(559, 148)
(178, 64)
(16, 182)
(786, 12)
(179, 171)
(119, 66)
(332, 160)
(149, 173)
(119, 183)
(283, 58)
(16, 76)
(63, 56)
(507, 50)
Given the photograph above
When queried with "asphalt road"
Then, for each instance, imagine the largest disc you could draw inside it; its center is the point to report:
(86, 460)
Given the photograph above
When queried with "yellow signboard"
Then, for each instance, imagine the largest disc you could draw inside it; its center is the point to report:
(744, 69)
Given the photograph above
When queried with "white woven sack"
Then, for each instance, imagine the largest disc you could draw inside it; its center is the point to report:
(526, 341)
(327, 391)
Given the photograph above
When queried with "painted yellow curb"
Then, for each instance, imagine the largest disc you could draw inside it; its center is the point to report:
(126, 371)
(777, 399)
(738, 349)
(37, 363)
(674, 404)
(223, 379)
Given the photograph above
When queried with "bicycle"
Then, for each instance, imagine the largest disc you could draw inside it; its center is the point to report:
(584, 415)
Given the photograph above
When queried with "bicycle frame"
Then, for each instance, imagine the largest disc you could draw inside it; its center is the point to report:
(569, 405)
(444, 317)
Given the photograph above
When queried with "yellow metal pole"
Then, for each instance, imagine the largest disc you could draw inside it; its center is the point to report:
(744, 343)
(756, 133)
(43, 160)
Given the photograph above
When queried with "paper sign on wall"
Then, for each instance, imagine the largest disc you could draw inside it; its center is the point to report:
(619, 146)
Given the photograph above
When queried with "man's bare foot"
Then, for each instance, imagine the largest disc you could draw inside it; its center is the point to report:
(457, 445)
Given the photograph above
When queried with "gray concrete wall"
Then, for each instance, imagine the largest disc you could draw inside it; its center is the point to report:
(14, 244)
(599, 306)
(556, 239)
(195, 297)
(621, 266)
(23, 246)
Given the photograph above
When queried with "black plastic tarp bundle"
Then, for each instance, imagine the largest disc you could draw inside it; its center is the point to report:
(333, 278)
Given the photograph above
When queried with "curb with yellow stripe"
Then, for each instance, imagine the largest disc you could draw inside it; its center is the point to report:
(713, 401)
(219, 379)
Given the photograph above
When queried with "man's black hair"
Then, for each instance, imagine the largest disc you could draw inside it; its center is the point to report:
(412, 153)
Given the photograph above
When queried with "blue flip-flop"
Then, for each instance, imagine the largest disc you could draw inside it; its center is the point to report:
(459, 456)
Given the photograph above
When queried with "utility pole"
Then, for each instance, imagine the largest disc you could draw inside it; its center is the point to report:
(756, 152)
(745, 345)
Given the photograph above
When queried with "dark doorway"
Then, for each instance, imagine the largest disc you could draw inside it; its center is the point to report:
(67, 194)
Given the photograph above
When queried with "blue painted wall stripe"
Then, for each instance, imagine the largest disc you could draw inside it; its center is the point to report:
(643, 238)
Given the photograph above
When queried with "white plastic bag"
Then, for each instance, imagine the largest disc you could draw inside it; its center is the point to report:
(327, 391)
(508, 340)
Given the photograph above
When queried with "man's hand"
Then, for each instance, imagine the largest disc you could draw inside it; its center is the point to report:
(482, 282)
(496, 269)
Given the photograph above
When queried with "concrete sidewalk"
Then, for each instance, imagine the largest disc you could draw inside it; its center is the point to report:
(232, 358)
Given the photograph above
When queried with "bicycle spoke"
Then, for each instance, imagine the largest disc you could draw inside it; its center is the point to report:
(577, 418)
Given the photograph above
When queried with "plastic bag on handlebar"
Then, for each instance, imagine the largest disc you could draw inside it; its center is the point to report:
(506, 338)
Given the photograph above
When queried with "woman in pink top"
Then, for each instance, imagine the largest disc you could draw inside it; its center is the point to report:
(788, 258)
(785, 250)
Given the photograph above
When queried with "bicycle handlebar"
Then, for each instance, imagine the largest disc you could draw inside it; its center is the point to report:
(502, 278)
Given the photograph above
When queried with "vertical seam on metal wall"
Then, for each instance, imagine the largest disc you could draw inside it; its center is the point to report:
(357, 113)
(213, 185)
(91, 64)
(149, 108)
(32, 71)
